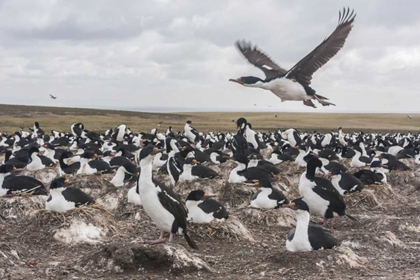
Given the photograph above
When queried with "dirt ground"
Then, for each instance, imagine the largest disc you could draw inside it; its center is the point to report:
(35, 244)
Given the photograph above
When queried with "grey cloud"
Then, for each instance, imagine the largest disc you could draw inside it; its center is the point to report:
(181, 53)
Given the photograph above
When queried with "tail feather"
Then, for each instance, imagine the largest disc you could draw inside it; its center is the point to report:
(352, 218)
(190, 241)
(321, 97)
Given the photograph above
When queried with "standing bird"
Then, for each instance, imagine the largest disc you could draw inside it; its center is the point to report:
(293, 84)
(160, 202)
(191, 133)
(307, 237)
(64, 198)
(203, 209)
(320, 194)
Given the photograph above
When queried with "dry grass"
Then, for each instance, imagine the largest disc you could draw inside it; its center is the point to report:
(14, 116)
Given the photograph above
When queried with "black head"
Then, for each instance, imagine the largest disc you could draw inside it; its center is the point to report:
(33, 150)
(190, 160)
(247, 80)
(189, 122)
(107, 153)
(335, 171)
(255, 156)
(241, 123)
(58, 183)
(49, 146)
(149, 150)
(88, 155)
(240, 158)
(263, 184)
(197, 195)
(36, 124)
(384, 155)
(298, 204)
(376, 163)
(314, 163)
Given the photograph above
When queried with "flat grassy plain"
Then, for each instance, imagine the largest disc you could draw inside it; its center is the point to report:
(14, 116)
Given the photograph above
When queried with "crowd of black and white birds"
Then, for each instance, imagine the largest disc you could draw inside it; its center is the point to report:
(133, 159)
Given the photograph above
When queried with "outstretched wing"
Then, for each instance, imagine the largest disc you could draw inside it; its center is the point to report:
(259, 59)
(308, 65)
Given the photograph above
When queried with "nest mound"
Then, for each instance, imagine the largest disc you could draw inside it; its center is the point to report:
(45, 175)
(327, 262)
(86, 224)
(209, 186)
(17, 207)
(232, 228)
(372, 196)
(121, 257)
(236, 195)
(405, 181)
(282, 217)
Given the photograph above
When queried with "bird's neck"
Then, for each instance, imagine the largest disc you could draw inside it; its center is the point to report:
(302, 222)
(146, 171)
(240, 167)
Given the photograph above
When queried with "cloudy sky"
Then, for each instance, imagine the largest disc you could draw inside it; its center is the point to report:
(180, 54)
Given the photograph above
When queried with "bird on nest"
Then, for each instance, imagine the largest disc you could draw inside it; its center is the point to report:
(293, 84)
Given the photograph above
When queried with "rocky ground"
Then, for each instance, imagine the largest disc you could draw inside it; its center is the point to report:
(106, 241)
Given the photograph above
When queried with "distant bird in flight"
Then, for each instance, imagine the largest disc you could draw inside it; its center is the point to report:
(159, 123)
(53, 97)
(293, 84)
(409, 117)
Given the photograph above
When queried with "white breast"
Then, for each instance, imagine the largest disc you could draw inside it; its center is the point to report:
(151, 204)
(234, 177)
(133, 196)
(286, 89)
(58, 203)
(316, 204)
(196, 214)
(335, 181)
(36, 163)
(186, 174)
(262, 200)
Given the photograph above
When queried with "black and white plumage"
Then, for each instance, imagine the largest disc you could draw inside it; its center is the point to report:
(18, 185)
(392, 162)
(293, 84)
(160, 202)
(267, 197)
(133, 195)
(278, 157)
(320, 194)
(190, 132)
(242, 173)
(120, 176)
(191, 171)
(37, 162)
(77, 129)
(65, 167)
(89, 164)
(203, 209)
(63, 199)
(345, 183)
(305, 237)
(371, 177)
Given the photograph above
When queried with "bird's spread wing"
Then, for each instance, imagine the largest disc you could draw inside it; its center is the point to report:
(308, 65)
(259, 59)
